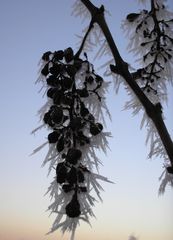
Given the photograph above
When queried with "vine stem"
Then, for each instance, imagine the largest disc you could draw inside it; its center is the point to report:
(84, 40)
(121, 67)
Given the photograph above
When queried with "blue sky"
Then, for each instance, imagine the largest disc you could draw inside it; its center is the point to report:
(131, 205)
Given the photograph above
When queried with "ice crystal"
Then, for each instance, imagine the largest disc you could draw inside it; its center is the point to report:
(78, 9)
(166, 180)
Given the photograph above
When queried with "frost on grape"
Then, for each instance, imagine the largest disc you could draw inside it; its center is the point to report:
(151, 42)
(84, 93)
(74, 115)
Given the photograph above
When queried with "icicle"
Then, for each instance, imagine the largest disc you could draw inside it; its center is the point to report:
(166, 180)
(38, 128)
(39, 148)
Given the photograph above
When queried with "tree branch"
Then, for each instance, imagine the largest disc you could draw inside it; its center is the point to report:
(121, 67)
(84, 39)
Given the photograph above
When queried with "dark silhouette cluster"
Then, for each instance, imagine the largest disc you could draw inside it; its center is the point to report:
(169, 169)
(70, 119)
(157, 40)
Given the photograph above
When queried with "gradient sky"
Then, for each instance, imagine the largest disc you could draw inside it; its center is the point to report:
(131, 206)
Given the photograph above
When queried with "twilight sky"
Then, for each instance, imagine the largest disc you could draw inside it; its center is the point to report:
(131, 205)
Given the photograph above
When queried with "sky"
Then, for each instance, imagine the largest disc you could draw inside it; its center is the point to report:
(131, 205)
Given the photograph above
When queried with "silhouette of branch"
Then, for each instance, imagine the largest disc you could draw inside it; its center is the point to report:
(84, 39)
(121, 67)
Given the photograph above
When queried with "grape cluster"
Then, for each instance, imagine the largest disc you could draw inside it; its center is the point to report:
(70, 119)
(156, 44)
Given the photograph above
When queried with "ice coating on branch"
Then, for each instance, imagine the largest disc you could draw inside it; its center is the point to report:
(151, 41)
(153, 139)
(79, 10)
(94, 40)
(166, 180)
(156, 148)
